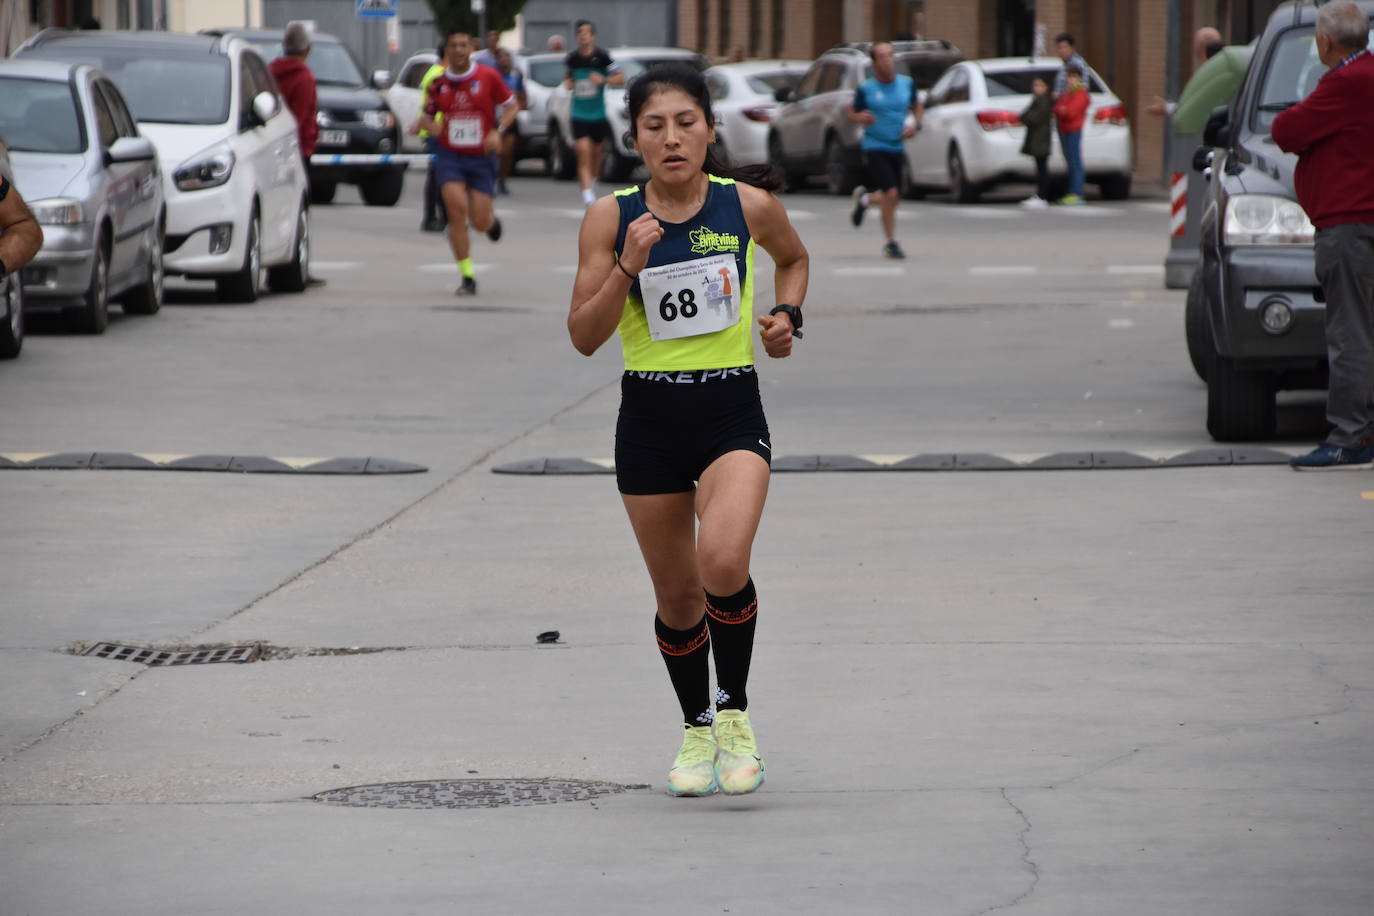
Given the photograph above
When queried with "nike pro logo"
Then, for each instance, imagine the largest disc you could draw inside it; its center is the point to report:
(765, 445)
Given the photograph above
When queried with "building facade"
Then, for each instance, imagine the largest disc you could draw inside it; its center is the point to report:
(1142, 48)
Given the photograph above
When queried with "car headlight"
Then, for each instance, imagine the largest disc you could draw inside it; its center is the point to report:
(1266, 219)
(379, 120)
(207, 169)
(57, 211)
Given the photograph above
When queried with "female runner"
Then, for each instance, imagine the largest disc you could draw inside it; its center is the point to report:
(670, 264)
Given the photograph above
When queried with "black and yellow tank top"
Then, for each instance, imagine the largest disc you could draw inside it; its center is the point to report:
(690, 296)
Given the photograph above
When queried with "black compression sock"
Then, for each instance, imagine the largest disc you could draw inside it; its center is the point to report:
(731, 621)
(685, 653)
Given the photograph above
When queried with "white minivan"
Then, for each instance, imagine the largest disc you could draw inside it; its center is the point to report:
(235, 184)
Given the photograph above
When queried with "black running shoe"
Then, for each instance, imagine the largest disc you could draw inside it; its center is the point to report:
(467, 288)
(494, 233)
(893, 250)
(856, 216)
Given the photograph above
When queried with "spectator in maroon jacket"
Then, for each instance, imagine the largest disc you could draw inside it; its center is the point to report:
(297, 85)
(1332, 131)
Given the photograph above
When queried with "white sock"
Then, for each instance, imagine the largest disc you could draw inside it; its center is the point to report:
(588, 196)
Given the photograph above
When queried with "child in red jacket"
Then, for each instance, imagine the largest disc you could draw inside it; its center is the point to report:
(1070, 110)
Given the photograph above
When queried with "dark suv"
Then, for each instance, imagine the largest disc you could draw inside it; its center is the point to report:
(1255, 317)
(810, 134)
(353, 117)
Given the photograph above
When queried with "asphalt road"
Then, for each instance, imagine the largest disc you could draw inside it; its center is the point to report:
(1054, 692)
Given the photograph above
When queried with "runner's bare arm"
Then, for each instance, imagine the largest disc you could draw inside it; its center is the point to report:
(770, 227)
(600, 289)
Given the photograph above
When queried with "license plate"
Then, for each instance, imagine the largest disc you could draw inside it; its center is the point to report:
(333, 138)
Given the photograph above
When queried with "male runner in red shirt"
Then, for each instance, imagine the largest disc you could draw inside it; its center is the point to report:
(466, 94)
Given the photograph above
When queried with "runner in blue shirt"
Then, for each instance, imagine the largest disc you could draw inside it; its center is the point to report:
(881, 104)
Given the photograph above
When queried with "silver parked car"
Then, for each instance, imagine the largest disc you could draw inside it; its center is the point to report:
(11, 292)
(94, 185)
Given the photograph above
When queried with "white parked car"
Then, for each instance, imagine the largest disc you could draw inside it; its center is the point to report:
(971, 134)
(543, 74)
(231, 165)
(618, 159)
(742, 97)
(403, 97)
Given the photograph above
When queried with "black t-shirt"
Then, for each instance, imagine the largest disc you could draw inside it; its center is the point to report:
(588, 101)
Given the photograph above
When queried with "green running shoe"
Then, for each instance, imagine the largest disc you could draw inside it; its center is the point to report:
(693, 771)
(739, 768)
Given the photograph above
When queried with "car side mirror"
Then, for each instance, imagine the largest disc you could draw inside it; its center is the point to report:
(1218, 129)
(783, 94)
(264, 106)
(130, 149)
(381, 78)
(1202, 158)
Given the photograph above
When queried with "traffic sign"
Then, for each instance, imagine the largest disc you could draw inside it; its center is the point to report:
(377, 9)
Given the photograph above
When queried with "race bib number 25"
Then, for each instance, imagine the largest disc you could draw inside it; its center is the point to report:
(690, 298)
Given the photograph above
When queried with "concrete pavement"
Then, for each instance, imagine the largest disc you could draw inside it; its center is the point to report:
(1052, 693)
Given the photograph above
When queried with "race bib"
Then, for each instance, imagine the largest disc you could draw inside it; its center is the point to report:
(689, 298)
(584, 89)
(465, 130)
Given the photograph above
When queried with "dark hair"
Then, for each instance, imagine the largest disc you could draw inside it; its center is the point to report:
(692, 83)
(587, 22)
(1212, 48)
(872, 52)
(1073, 68)
(449, 34)
(1064, 37)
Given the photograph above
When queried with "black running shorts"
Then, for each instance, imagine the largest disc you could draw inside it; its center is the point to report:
(597, 130)
(884, 170)
(672, 425)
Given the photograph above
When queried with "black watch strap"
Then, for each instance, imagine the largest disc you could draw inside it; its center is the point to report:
(794, 314)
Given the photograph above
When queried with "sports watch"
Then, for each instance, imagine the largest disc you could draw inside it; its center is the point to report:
(795, 314)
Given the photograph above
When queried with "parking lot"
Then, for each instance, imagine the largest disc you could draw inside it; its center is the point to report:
(1053, 691)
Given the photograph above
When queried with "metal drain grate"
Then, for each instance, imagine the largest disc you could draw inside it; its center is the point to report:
(143, 655)
(471, 793)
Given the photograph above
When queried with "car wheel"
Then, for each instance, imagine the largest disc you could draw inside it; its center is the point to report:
(964, 191)
(244, 284)
(562, 163)
(911, 190)
(790, 179)
(1196, 327)
(146, 298)
(94, 314)
(1240, 404)
(1115, 187)
(614, 167)
(322, 192)
(12, 328)
(384, 188)
(294, 277)
(839, 177)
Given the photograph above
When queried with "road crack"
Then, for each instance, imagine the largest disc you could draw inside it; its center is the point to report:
(1022, 837)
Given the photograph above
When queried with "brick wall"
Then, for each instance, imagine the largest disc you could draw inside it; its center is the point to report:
(1151, 54)
(958, 22)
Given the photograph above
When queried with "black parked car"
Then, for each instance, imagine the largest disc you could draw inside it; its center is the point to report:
(1255, 318)
(352, 115)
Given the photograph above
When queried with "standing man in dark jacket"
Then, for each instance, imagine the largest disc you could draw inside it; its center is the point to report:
(1038, 118)
(1332, 131)
(297, 85)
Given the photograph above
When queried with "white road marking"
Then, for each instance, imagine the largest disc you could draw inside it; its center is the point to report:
(334, 265)
(1085, 210)
(1003, 270)
(978, 213)
(1133, 269)
(869, 271)
(1121, 323)
(450, 266)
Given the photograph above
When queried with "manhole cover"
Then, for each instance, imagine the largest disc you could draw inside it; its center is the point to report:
(205, 655)
(471, 793)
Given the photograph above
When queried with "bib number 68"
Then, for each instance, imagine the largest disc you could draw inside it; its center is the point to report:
(686, 305)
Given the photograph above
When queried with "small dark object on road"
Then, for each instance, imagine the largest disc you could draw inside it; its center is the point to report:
(548, 636)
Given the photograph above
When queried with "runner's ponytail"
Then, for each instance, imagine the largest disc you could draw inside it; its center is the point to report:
(692, 83)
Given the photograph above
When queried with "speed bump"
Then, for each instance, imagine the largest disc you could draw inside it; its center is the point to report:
(239, 464)
(948, 461)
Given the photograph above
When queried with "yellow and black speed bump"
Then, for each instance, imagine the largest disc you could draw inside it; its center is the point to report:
(233, 464)
(968, 461)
